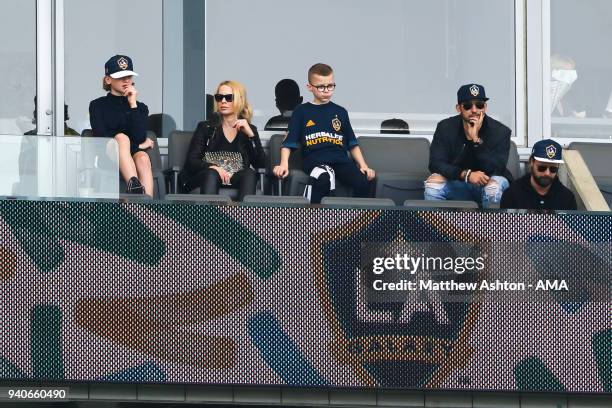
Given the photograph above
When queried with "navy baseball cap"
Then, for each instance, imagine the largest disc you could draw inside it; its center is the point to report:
(471, 91)
(547, 151)
(119, 66)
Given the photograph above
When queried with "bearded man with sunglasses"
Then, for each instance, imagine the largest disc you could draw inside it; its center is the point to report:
(469, 153)
(541, 189)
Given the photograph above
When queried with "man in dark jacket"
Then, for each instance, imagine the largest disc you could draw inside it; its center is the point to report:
(541, 188)
(469, 153)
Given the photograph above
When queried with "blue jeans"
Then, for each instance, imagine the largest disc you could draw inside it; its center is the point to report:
(460, 190)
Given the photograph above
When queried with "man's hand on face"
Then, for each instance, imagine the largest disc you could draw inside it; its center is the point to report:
(473, 125)
(131, 93)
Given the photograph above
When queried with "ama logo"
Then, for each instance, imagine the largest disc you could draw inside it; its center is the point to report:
(407, 343)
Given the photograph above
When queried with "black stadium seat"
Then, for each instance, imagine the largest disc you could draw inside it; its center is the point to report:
(400, 165)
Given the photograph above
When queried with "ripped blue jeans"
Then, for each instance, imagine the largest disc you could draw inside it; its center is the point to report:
(460, 190)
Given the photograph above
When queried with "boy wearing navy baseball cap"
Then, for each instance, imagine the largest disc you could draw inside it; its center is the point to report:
(120, 116)
(541, 188)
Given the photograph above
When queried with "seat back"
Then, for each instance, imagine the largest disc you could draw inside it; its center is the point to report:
(401, 165)
(278, 123)
(514, 163)
(297, 179)
(405, 155)
(178, 146)
(275, 144)
(154, 153)
(161, 124)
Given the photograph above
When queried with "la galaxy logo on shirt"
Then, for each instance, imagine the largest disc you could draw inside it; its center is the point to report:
(336, 124)
(122, 63)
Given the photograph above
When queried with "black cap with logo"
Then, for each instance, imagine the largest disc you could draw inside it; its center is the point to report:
(470, 92)
(119, 66)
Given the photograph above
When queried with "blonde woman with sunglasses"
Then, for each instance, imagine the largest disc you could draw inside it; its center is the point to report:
(225, 153)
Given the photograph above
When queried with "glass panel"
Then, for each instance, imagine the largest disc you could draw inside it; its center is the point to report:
(17, 66)
(37, 166)
(581, 84)
(95, 31)
(392, 59)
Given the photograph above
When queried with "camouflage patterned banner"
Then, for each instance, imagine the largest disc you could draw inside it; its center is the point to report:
(187, 293)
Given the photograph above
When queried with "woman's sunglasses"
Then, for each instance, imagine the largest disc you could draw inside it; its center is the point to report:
(227, 97)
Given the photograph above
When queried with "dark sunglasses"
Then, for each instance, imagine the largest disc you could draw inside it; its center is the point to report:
(468, 105)
(227, 97)
(542, 168)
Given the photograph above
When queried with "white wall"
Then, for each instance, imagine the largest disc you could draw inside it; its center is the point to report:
(96, 30)
(389, 55)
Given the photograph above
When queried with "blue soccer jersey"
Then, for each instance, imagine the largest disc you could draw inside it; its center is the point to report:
(323, 131)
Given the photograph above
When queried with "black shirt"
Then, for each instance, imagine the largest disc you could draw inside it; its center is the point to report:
(323, 131)
(522, 195)
(467, 159)
(110, 115)
(224, 145)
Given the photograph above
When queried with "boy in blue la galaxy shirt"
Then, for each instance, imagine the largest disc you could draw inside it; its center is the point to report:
(324, 132)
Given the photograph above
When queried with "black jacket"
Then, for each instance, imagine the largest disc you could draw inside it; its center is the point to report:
(450, 146)
(522, 195)
(111, 114)
(205, 140)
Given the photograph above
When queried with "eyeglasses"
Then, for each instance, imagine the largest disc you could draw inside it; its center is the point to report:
(227, 97)
(542, 168)
(468, 105)
(321, 88)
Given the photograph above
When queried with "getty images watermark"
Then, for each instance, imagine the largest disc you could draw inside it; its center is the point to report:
(460, 272)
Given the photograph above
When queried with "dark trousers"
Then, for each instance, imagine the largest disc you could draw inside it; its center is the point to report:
(346, 173)
(210, 182)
